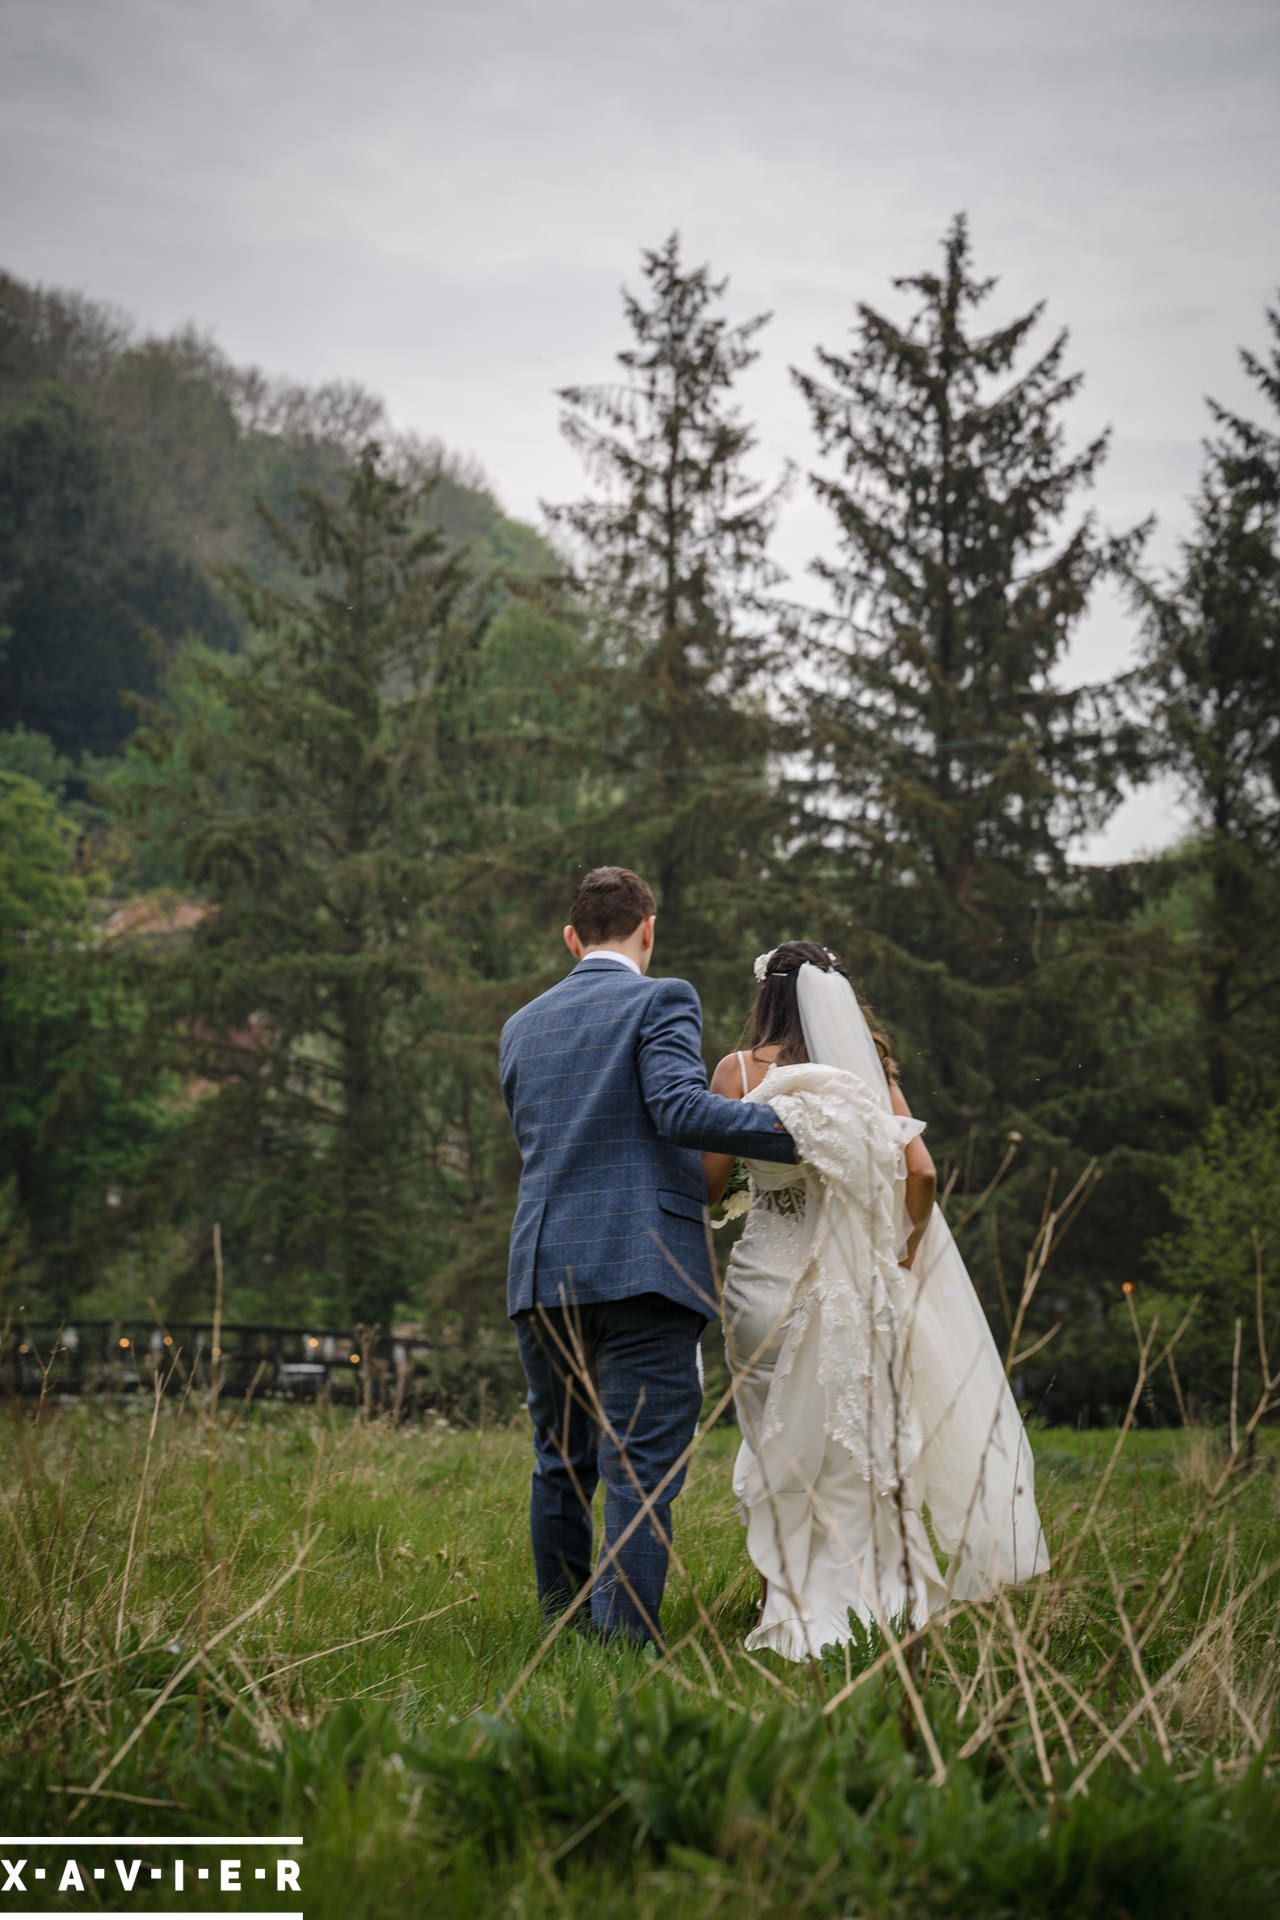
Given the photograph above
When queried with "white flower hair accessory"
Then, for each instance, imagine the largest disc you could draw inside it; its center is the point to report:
(761, 967)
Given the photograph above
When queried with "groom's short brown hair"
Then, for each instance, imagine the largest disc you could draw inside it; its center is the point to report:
(609, 905)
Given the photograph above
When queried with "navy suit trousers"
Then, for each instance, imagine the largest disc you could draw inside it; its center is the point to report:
(614, 1395)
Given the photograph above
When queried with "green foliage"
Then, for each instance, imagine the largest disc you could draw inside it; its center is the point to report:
(78, 1105)
(37, 881)
(35, 757)
(704, 1797)
(1225, 1199)
(144, 783)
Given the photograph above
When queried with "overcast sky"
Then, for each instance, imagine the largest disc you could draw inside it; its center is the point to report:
(443, 200)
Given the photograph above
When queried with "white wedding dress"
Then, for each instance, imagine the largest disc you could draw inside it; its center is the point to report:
(866, 1392)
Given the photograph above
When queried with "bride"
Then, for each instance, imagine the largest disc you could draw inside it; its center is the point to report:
(867, 1383)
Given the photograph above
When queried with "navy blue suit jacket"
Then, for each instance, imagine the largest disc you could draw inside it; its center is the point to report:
(604, 1081)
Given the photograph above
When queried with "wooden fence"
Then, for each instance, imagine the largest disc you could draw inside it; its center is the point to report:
(473, 1378)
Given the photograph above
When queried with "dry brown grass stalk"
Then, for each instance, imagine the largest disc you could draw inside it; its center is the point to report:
(1080, 1783)
(189, 1666)
(144, 1483)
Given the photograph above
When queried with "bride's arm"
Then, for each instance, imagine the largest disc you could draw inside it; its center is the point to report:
(922, 1178)
(718, 1167)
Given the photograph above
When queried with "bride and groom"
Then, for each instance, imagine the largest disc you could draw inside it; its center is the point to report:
(867, 1384)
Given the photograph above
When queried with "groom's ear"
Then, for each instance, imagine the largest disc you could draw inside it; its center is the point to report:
(573, 943)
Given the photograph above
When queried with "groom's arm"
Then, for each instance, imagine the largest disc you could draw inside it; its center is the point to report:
(673, 1080)
(507, 1070)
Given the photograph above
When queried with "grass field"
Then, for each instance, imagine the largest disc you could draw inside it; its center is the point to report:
(287, 1622)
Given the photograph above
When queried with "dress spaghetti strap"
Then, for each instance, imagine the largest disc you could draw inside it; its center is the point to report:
(742, 1069)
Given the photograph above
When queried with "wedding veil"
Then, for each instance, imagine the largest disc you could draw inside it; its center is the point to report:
(836, 1033)
(974, 1468)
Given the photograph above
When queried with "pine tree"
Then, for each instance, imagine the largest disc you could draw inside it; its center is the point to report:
(671, 558)
(952, 767)
(324, 783)
(1213, 688)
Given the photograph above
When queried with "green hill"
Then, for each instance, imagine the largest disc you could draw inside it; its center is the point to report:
(131, 472)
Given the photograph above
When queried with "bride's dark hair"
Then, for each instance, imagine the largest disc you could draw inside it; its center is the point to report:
(774, 1019)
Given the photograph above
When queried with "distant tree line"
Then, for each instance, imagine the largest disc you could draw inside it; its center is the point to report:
(305, 742)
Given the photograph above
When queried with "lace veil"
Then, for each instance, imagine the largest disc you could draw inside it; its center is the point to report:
(974, 1465)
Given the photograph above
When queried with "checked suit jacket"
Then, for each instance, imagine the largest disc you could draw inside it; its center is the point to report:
(604, 1082)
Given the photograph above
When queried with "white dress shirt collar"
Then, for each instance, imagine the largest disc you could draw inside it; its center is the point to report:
(611, 953)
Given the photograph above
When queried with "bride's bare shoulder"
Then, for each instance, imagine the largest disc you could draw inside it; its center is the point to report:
(727, 1078)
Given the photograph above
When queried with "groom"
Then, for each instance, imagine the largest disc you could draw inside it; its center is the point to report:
(610, 1279)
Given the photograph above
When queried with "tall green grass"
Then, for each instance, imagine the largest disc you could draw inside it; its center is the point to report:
(255, 1620)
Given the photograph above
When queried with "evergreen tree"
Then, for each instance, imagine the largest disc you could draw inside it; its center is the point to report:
(318, 798)
(523, 730)
(953, 767)
(1213, 688)
(671, 553)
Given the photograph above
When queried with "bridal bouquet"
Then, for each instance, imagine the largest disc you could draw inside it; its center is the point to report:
(736, 1198)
